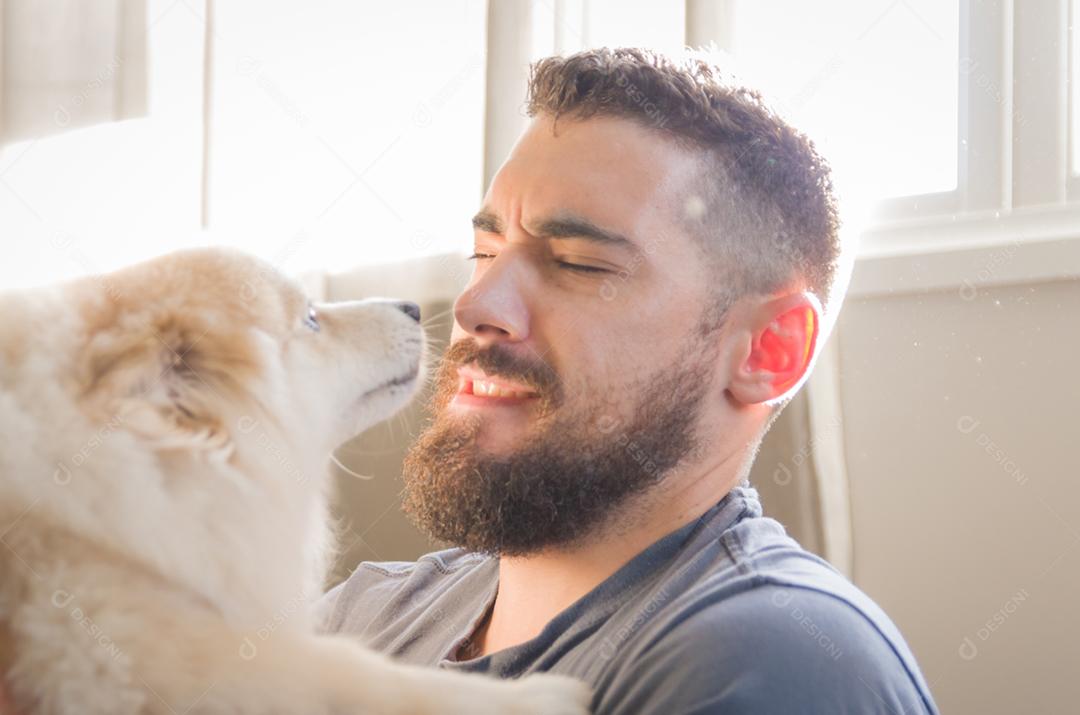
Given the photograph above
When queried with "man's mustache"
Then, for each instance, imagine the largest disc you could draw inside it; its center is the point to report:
(494, 360)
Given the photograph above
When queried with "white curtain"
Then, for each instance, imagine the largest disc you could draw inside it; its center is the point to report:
(101, 139)
(69, 63)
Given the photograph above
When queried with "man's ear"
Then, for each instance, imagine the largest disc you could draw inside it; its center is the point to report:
(779, 349)
(166, 383)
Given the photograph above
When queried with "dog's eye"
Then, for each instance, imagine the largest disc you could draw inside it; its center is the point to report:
(312, 319)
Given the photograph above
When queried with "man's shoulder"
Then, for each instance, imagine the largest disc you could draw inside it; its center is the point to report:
(770, 624)
(775, 648)
(756, 556)
(381, 587)
(436, 563)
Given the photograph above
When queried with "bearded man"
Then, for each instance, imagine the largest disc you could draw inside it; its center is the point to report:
(655, 266)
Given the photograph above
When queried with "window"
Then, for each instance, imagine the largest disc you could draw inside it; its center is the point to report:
(346, 134)
(340, 134)
(874, 84)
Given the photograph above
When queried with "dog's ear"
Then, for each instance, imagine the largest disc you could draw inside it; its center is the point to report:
(168, 382)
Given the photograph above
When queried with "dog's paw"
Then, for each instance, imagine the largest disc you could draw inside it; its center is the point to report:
(551, 695)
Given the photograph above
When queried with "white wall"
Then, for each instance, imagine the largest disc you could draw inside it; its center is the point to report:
(961, 433)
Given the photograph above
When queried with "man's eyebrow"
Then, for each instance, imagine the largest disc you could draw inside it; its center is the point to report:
(562, 227)
(487, 222)
(577, 227)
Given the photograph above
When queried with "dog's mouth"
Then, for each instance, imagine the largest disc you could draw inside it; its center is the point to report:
(404, 379)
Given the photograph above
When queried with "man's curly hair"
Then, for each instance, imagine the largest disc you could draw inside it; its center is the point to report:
(766, 209)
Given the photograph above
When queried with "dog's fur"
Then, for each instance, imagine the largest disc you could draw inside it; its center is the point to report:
(164, 437)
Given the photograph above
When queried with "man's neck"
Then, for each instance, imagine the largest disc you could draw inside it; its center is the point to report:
(535, 588)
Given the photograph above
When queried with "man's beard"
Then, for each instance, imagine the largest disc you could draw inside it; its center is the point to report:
(580, 470)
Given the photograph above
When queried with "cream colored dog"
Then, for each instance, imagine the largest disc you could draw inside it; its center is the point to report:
(164, 436)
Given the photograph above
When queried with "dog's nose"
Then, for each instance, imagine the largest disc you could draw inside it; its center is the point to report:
(410, 309)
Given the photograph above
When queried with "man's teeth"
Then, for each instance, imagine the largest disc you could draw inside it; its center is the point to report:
(490, 389)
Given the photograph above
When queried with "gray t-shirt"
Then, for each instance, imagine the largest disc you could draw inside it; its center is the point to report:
(725, 615)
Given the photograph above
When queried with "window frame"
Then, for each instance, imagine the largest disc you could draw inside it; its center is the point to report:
(1016, 195)
(1071, 45)
(983, 138)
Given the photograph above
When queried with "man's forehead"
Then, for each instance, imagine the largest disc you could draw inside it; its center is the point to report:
(601, 143)
(600, 173)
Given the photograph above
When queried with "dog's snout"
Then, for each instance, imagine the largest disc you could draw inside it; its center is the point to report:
(410, 309)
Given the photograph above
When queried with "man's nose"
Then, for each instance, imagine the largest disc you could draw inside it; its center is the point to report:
(492, 306)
